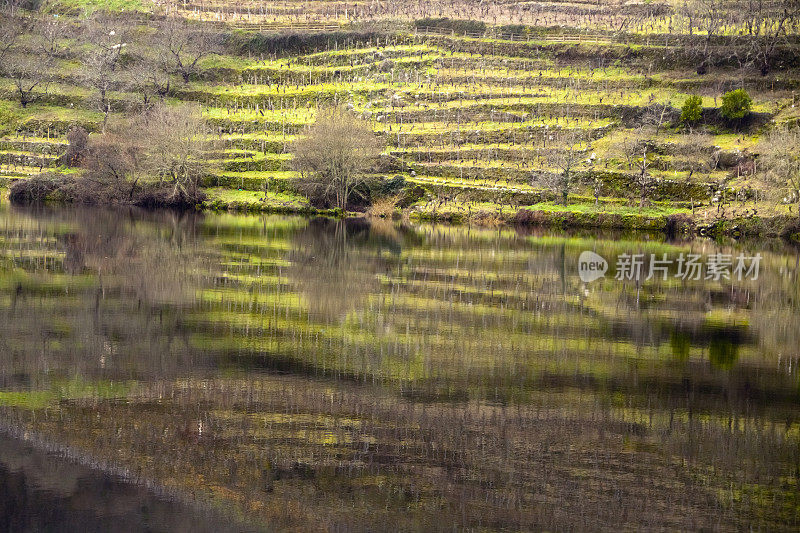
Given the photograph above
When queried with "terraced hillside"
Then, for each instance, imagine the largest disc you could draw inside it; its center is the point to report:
(475, 119)
(715, 17)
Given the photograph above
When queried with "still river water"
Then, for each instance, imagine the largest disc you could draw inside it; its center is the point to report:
(164, 371)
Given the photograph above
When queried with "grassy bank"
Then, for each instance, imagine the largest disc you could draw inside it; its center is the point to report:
(607, 216)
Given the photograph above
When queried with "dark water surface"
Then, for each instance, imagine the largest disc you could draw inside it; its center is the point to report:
(46, 491)
(345, 375)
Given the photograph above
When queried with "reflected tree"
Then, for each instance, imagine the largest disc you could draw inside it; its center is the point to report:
(334, 267)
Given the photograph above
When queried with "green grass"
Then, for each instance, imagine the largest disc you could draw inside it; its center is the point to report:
(257, 198)
(649, 211)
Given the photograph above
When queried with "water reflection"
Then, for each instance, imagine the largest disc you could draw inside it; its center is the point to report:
(297, 370)
(333, 264)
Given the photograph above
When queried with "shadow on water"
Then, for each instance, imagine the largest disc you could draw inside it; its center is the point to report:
(40, 491)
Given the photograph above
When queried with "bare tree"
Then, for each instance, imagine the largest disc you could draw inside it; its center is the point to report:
(689, 14)
(28, 46)
(160, 149)
(111, 162)
(637, 147)
(780, 159)
(657, 116)
(148, 78)
(637, 150)
(172, 142)
(336, 154)
(709, 18)
(12, 28)
(768, 26)
(181, 44)
(29, 74)
(102, 62)
(49, 33)
(564, 162)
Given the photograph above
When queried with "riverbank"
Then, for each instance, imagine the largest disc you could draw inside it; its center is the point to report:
(605, 216)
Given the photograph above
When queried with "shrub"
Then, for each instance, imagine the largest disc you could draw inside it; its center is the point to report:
(163, 195)
(391, 186)
(736, 104)
(513, 29)
(531, 217)
(36, 189)
(791, 231)
(410, 195)
(67, 189)
(679, 223)
(692, 110)
(384, 207)
(77, 148)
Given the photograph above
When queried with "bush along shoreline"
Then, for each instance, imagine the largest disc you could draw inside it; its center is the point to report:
(68, 189)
